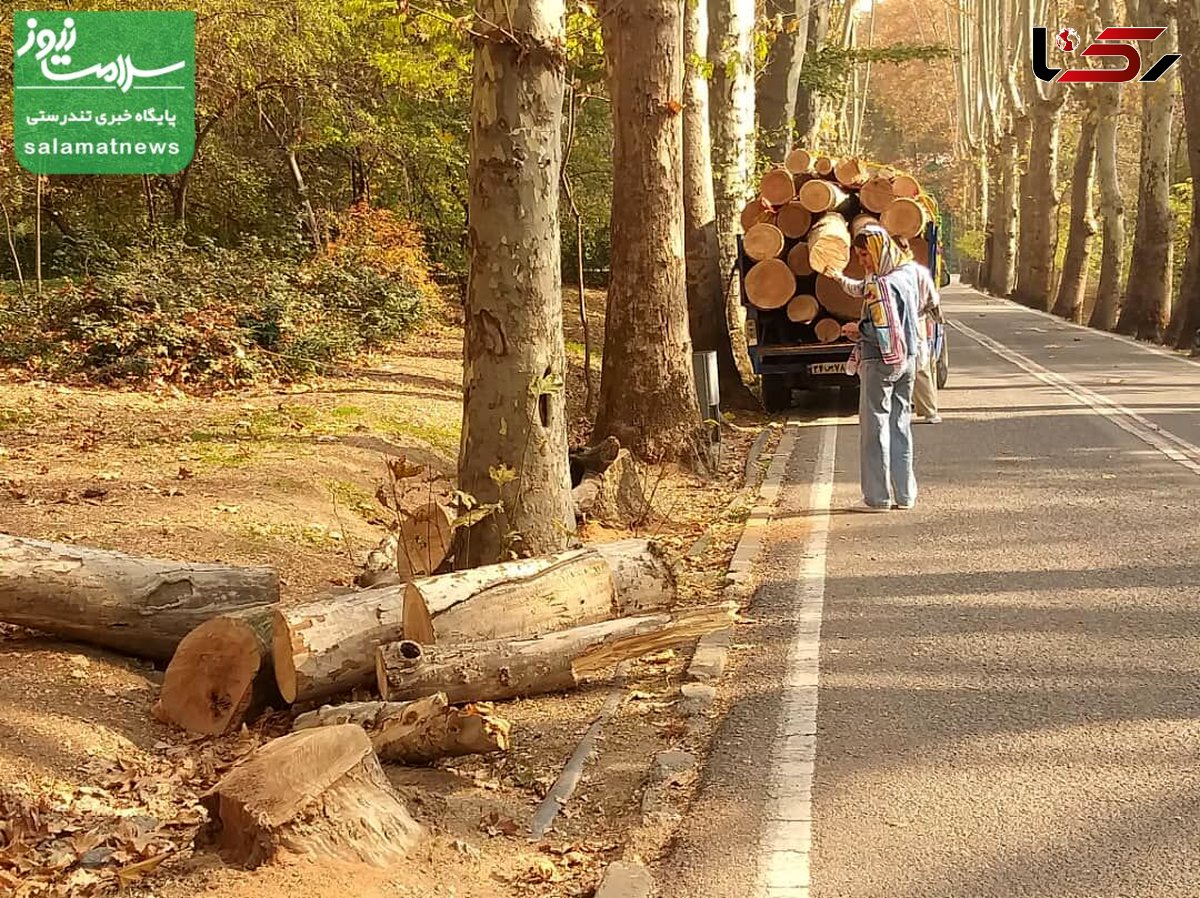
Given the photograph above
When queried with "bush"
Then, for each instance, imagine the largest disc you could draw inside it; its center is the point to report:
(970, 245)
(213, 316)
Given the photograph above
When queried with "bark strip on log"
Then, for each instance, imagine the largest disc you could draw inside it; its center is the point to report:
(315, 795)
(770, 284)
(417, 732)
(141, 606)
(497, 670)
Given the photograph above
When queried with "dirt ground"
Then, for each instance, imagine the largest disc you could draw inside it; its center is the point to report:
(95, 794)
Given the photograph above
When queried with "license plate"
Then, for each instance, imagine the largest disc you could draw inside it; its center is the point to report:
(827, 368)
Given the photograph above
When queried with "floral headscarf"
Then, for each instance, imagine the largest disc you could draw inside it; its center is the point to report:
(880, 308)
(883, 250)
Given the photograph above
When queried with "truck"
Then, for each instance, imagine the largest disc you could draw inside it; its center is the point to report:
(788, 356)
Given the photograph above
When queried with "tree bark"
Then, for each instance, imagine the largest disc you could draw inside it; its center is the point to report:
(1001, 259)
(1185, 324)
(1073, 285)
(779, 84)
(417, 732)
(647, 390)
(493, 671)
(707, 319)
(324, 648)
(514, 404)
(319, 794)
(1112, 209)
(808, 109)
(1039, 206)
(142, 606)
(1147, 304)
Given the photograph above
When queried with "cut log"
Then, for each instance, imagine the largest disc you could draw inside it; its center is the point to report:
(793, 220)
(497, 670)
(220, 674)
(876, 195)
(770, 284)
(141, 606)
(920, 250)
(906, 186)
(828, 330)
(803, 308)
(861, 221)
(423, 541)
(819, 196)
(315, 795)
(904, 218)
(324, 648)
(616, 496)
(754, 213)
(823, 166)
(798, 161)
(798, 260)
(593, 459)
(829, 243)
(850, 172)
(418, 732)
(837, 301)
(777, 187)
(763, 241)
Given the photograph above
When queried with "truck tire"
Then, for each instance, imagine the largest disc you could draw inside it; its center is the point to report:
(776, 392)
(943, 365)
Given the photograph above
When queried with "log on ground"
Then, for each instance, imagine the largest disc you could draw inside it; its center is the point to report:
(315, 795)
(829, 243)
(823, 165)
(906, 186)
(220, 674)
(141, 606)
(418, 732)
(497, 670)
(861, 221)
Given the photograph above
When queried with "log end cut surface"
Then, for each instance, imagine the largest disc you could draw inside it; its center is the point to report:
(777, 187)
(763, 241)
(770, 284)
(803, 308)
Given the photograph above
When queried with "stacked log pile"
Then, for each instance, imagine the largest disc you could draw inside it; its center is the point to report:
(801, 225)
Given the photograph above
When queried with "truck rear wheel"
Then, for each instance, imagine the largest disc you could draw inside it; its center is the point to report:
(776, 392)
(943, 365)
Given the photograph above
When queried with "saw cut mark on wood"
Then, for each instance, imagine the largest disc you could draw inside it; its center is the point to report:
(827, 330)
(219, 674)
(904, 218)
(777, 187)
(424, 540)
(797, 260)
(418, 732)
(822, 196)
(140, 606)
(829, 243)
(315, 795)
(837, 301)
(417, 622)
(793, 220)
(803, 308)
(770, 284)
(498, 670)
(763, 241)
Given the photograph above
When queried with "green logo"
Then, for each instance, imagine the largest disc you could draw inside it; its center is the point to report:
(104, 93)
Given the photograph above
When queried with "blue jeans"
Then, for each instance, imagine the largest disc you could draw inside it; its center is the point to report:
(885, 432)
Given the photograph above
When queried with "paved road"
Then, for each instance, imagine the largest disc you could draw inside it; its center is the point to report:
(1009, 676)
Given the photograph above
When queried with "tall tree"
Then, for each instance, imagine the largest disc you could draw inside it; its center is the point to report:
(1148, 288)
(513, 453)
(1072, 286)
(808, 101)
(706, 293)
(731, 54)
(779, 84)
(647, 392)
(1112, 206)
(1185, 323)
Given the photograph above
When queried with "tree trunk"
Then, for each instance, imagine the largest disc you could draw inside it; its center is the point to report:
(1185, 324)
(220, 674)
(706, 289)
(1002, 233)
(1147, 303)
(418, 732)
(1039, 207)
(492, 671)
(142, 606)
(1073, 285)
(647, 390)
(514, 404)
(808, 109)
(316, 795)
(731, 54)
(326, 647)
(779, 84)
(1112, 209)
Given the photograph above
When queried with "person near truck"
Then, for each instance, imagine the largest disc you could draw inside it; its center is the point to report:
(885, 355)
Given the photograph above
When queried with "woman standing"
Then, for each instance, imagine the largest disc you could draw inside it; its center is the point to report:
(886, 357)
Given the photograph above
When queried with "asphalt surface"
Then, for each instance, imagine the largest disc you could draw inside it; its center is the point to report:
(1009, 675)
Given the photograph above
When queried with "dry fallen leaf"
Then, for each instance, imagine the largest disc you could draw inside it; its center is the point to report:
(134, 872)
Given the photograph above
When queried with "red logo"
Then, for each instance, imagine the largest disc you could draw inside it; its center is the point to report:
(1067, 39)
(1109, 42)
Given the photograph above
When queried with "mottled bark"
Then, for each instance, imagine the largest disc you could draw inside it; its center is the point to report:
(647, 392)
(514, 407)
(706, 284)
(1001, 261)
(1185, 324)
(1112, 209)
(808, 110)
(779, 84)
(1039, 206)
(1147, 304)
(1072, 286)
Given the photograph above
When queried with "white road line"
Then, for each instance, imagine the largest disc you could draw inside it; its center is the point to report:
(1120, 338)
(1172, 446)
(787, 837)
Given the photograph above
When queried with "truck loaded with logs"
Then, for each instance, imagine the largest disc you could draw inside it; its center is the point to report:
(801, 224)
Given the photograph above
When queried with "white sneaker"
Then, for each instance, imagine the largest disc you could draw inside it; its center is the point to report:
(932, 419)
(864, 508)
